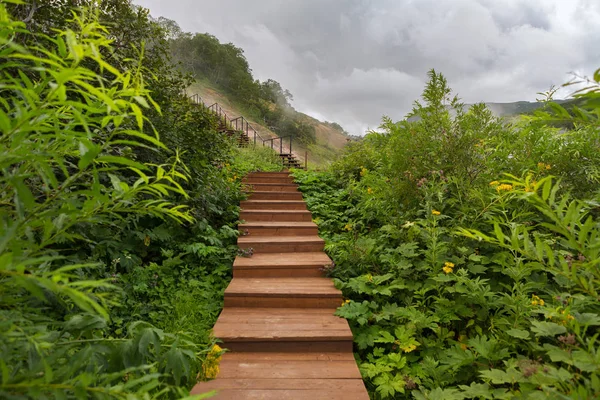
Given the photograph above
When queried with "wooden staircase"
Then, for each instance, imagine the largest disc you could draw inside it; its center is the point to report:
(241, 137)
(278, 322)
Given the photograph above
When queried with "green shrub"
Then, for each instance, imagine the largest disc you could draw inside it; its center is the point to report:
(106, 232)
(468, 250)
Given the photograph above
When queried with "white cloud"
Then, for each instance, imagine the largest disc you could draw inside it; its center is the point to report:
(353, 61)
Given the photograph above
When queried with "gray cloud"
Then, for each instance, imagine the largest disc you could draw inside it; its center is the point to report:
(352, 61)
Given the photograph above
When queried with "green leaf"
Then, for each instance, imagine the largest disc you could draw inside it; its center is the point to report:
(23, 193)
(518, 333)
(544, 328)
(586, 361)
(121, 160)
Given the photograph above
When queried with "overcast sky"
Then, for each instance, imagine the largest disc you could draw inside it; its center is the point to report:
(352, 61)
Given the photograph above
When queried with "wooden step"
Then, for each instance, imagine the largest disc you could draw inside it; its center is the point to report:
(279, 228)
(287, 376)
(268, 179)
(276, 215)
(272, 187)
(281, 244)
(269, 174)
(290, 329)
(281, 265)
(282, 293)
(272, 205)
(265, 195)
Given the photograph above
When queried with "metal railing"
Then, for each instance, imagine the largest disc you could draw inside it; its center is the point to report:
(280, 138)
(242, 125)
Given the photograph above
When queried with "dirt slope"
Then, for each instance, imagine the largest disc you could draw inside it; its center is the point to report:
(329, 140)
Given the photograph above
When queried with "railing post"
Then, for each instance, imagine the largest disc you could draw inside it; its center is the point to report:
(290, 144)
(306, 160)
(280, 145)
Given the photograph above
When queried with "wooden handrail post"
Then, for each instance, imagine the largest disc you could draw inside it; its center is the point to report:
(306, 160)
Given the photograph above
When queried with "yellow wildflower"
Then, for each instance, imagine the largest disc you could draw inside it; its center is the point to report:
(448, 267)
(505, 187)
(544, 166)
(536, 301)
(147, 240)
(409, 348)
(494, 183)
(369, 190)
(363, 171)
(548, 166)
(435, 212)
(210, 368)
(348, 227)
(345, 302)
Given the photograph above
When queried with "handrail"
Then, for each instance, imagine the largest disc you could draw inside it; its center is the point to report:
(241, 124)
(280, 138)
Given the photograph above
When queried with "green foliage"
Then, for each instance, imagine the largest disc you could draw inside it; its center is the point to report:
(224, 65)
(116, 247)
(469, 252)
(249, 159)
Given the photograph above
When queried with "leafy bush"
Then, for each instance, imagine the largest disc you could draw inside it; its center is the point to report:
(115, 246)
(468, 250)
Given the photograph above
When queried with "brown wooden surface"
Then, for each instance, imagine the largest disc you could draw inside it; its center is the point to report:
(273, 205)
(278, 321)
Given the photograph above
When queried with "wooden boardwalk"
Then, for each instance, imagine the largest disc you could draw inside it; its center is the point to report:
(278, 323)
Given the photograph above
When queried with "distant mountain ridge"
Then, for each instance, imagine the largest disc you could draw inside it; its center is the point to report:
(516, 108)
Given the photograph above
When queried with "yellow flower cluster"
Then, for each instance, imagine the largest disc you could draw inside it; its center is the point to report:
(210, 368)
(363, 171)
(543, 166)
(369, 190)
(531, 187)
(435, 212)
(494, 183)
(448, 267)
(536, 301)
(345, 302)
(348, 227)
(564, 316)
(505, 187)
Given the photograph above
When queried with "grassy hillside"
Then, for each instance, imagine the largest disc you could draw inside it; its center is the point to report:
(328, 140)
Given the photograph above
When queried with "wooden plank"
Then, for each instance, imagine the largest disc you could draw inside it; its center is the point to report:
(266, 195)
(281, 244)
(281, 260)
(229, 333)
(288, 369)
(290, 384)
(273, 205)
(287, 394)
(303, 287)
(280, 312)
(234, 394)
(289, 356)
(275, 215)
(271, 346)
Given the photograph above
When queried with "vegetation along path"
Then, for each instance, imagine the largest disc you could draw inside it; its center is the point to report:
(278, 322)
